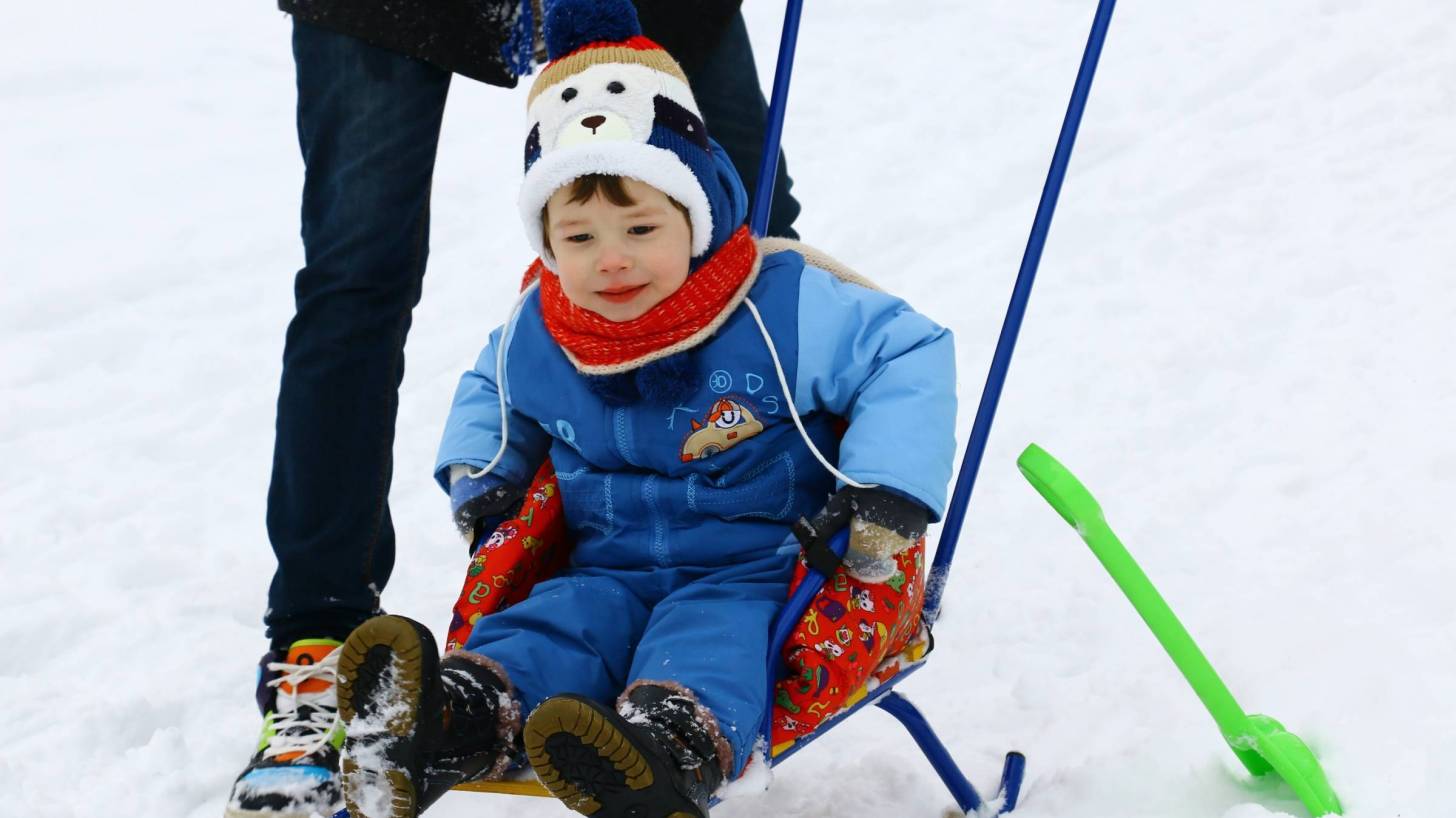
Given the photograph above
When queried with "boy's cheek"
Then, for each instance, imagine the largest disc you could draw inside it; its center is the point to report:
(574, 292)
(569, 271)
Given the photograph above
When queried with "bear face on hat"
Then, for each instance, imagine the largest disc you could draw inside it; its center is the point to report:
(621, 101)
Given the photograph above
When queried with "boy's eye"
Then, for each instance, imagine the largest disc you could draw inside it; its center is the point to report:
(578, 238)
(641, 229)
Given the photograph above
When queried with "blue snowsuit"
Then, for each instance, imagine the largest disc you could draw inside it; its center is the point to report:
(681, 514)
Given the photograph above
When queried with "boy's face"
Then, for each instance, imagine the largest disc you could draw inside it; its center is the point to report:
(616, 261)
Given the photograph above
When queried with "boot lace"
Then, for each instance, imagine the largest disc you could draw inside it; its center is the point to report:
(303, 721)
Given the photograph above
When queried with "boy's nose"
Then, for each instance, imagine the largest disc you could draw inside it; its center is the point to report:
(612, 260)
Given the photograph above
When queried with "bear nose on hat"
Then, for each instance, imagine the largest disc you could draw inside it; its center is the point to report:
(594, 126)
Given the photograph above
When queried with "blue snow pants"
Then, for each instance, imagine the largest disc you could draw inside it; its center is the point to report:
(594, 631)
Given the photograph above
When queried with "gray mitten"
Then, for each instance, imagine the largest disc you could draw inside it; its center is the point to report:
(881, 525)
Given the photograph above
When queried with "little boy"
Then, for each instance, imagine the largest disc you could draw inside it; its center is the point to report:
(687, 384)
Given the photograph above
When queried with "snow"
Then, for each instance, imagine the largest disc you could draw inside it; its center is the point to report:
(755, 778)
(369, 737)
(1240, 341)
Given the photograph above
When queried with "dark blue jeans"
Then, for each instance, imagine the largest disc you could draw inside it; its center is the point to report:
(734, 109)
(368, 126)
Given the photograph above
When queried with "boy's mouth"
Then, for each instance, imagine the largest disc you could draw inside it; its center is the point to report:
(621, 295)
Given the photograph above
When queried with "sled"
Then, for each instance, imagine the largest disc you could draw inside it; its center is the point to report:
(811, 597)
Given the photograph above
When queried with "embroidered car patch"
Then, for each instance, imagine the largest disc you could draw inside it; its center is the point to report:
(727, 424)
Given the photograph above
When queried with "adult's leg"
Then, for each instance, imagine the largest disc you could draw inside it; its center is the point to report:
(368, 126)
(736, 113)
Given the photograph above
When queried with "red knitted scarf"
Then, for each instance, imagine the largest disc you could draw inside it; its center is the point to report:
(684, 319)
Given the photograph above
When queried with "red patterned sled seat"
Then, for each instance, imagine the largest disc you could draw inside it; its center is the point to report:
(853, 636)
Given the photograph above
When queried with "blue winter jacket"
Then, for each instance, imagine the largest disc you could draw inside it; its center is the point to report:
(723, 475)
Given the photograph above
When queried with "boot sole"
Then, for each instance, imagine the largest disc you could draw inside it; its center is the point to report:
(369, 769)
(582, 755)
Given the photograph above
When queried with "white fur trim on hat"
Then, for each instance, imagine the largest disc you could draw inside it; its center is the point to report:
(658, 167)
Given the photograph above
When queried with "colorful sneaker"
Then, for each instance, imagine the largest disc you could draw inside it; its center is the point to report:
(601, 764)
(295, 771)
(415, 725)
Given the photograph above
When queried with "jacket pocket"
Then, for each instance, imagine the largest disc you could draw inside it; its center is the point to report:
(586, 496)
(767, 493)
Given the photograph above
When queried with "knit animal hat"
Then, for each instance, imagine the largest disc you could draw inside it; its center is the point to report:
(613, 102)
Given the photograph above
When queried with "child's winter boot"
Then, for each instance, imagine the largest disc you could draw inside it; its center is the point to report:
(415, 725)
(654, 757)
(294, 772)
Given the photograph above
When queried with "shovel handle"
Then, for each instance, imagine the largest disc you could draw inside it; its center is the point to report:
(1077, 506)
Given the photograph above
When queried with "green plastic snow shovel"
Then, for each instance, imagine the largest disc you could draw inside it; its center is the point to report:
(1260, 742)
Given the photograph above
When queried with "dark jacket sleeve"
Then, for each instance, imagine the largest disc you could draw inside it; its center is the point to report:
(688, 29)
(463, 36)
(469, 37)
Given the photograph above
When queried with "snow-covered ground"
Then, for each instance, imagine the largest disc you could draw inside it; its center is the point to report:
(1241, 340)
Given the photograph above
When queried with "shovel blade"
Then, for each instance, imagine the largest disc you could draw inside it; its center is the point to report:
(1293, 761)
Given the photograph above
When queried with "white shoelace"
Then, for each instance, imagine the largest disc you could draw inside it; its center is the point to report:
(309, 734)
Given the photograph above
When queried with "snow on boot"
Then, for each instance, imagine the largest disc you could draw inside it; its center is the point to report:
(295, 771)
(481, 719)
(414, 726)
(391, 708)
(657, 761)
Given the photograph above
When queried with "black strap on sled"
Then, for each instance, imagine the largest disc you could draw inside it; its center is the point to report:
(817, 551)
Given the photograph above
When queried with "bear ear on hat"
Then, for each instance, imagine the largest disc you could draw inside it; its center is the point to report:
(571, 24)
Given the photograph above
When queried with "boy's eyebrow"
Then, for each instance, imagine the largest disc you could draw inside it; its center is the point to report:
(646, 210)
(637, 211)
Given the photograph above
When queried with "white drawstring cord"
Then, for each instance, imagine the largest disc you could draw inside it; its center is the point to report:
(794, 410)
(500, 383)
(323, 707)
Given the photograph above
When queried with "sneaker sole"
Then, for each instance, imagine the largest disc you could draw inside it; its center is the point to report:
(268, 813)
(583, 757)
(380, 644)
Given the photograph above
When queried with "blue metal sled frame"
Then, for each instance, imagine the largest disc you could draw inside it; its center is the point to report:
(884, 696)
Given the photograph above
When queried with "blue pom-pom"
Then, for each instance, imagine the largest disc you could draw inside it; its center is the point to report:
(614, 390)
(670, 380)
(571, 24)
